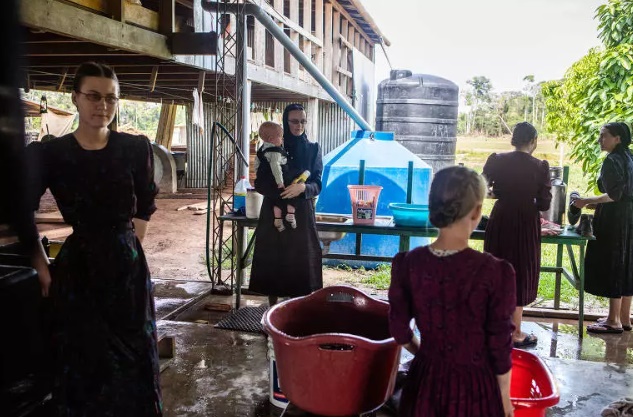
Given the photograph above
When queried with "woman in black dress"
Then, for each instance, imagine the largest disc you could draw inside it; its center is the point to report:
(521, 185)
(609, 259)
(104, 319)
(288, 264)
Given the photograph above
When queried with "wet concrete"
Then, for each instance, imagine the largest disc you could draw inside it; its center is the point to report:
(170, 295)
(219, 373)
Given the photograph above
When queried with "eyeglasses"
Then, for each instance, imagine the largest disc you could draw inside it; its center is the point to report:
(96, 97)
(298, 122)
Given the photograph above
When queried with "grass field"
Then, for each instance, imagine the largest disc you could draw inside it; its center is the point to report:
(473, 152)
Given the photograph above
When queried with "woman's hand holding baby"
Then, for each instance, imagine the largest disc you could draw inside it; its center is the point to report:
(293, 190)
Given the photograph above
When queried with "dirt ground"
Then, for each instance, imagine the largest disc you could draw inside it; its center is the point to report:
(175, 244)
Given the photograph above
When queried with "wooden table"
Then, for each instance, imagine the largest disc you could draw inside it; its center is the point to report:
(567, 240)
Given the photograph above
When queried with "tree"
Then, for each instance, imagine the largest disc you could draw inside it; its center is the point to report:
(596, 90)
(480, 94)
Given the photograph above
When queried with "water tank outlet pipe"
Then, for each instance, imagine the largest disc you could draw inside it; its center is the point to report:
(278, 33)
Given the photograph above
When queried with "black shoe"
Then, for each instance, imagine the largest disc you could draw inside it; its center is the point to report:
(585, 227)
(573, 212)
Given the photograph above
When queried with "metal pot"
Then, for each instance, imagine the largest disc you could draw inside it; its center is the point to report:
(559, 196)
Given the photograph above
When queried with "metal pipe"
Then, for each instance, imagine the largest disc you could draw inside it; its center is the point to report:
(268, 22)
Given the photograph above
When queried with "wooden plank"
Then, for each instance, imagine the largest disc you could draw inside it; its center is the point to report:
(140, 16)
(60, 233)
(62, 79)
(318, 26)
(343, 71)
(307, 25)
(67, 20)
(166, 17)
(336, 48)
(97, 5)
(259, 43)
(153, 78)
(328, 48)
(117, 10)
(277, 13)
(345, 42)
(294, 36)
(350, 19)
(278, 47)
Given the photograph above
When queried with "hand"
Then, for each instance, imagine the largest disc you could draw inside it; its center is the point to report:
(293, 190)
(44, 276)
(508, 409)
(580, 202)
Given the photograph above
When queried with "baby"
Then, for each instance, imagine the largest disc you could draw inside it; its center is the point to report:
(275, 156)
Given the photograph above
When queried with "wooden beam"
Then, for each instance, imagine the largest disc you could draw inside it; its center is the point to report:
(67, 20)
(278, 47)
(277, 13)
(166, 17)
(318, 26)
(71, 49)
(336, 47)
(307, 25)
(194, 43)
(259, 43)
(62, 79)
(294, 36)
(117, 9)
(347, 16)
(122, 11)
(153, 78)
(328, 41)
(201, 78)
(345, 42)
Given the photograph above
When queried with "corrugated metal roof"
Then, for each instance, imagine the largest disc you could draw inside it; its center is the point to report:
(364, 20)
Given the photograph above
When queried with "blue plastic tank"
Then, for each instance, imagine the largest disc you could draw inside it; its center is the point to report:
(386, 164)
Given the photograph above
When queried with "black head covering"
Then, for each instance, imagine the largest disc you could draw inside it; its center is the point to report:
(291, 141)
(622, 130)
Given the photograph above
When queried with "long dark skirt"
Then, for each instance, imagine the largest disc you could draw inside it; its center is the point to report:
(288, 263)
(513, 233)
(609, 259)
(104, 328)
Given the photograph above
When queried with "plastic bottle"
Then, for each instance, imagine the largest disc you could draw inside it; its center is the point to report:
(239, 195)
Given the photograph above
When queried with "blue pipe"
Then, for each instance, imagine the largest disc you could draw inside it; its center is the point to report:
(285, 40)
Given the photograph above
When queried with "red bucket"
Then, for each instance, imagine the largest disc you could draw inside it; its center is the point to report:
(335, 356)
(533, 388)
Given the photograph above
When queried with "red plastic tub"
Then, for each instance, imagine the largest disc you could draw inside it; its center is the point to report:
(533, 388)
(335, 356)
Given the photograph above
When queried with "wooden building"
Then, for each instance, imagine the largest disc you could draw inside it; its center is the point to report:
(164, 49)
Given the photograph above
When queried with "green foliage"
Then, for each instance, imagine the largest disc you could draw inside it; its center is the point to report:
(596, 90)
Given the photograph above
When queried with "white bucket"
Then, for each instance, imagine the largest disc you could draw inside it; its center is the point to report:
(253, 203)
(277, 397)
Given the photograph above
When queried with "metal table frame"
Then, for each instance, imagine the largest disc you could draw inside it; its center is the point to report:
(567, 239)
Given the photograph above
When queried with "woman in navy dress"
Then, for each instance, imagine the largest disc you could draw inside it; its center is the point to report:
(462, 302)
(288, 264)
(521, 185)
(104, 320)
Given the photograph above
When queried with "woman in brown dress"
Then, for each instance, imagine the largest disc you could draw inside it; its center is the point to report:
(521, 185)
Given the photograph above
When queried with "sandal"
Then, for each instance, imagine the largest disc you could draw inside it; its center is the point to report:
(529, 340)
(603, 328)
(625, 327)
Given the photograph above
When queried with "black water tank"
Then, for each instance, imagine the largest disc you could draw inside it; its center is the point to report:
(421, 110)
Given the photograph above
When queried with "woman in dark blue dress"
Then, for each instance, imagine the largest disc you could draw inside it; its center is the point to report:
(288, 264)
(104, 319)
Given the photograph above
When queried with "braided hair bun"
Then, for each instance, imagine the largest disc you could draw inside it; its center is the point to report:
(455, 191)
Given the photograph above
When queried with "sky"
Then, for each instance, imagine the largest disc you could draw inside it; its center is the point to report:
(504, 40)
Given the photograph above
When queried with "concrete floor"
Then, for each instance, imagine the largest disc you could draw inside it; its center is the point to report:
(223, 373)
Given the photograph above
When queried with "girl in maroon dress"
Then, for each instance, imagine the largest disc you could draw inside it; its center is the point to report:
(521, 184)
(462, 302)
